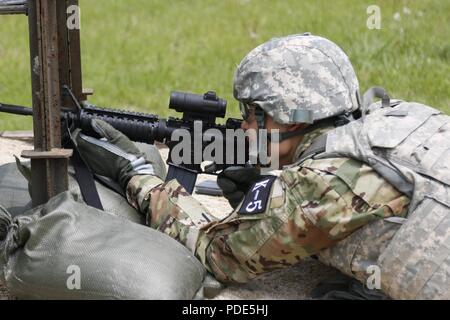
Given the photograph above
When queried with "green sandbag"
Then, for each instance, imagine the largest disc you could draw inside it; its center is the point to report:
(14, 195)
(68, 250)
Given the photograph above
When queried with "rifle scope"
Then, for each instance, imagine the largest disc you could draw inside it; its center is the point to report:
(207, 104)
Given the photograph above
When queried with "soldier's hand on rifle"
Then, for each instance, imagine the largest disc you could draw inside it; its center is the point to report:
(114, 156)
(236, 181)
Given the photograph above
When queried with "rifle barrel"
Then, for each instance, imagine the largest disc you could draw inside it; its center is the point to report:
(13, 7)
(9, 108)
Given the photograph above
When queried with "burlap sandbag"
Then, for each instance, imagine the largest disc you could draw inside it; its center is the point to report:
(68, 250)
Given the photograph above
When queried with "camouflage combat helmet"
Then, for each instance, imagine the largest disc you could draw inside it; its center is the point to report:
(298, 79)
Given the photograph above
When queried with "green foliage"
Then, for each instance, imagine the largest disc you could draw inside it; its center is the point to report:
(135, 52)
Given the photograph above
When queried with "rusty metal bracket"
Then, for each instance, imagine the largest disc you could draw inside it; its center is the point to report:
(48, 173)
(54, 153)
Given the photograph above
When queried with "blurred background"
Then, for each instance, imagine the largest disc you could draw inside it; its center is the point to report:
(134, 52)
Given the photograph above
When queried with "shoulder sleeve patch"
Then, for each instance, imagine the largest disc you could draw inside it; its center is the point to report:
(257, 197)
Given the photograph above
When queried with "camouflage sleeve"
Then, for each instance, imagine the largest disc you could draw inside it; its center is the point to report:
(309, 208)
(168, 208)
(138, 191)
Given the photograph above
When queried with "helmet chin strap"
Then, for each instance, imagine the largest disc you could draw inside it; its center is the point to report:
(280, 137)
(334, 121)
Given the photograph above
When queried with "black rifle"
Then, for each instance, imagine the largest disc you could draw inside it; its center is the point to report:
(198, 111)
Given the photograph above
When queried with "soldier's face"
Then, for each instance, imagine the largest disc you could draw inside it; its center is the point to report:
(287, 147)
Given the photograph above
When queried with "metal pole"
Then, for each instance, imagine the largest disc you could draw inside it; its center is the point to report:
(76, 81)
(69, 55)
(48, 161)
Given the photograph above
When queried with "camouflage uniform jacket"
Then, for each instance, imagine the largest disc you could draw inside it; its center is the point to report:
(311, 207)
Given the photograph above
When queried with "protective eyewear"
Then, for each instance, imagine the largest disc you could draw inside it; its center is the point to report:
(248, 111)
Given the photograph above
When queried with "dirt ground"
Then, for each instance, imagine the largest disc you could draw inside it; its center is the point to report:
(291, 283)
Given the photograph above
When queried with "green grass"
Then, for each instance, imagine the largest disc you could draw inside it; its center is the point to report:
(134, 52)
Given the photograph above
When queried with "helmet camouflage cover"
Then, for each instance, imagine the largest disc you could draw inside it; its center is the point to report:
(298, 79)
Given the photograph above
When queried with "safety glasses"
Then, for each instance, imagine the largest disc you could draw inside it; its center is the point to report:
(246, 110)
(249, 112)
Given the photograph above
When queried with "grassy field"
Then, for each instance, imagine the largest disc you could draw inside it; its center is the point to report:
(134, 52)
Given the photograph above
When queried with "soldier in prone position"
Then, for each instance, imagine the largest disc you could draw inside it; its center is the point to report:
(333, 195)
